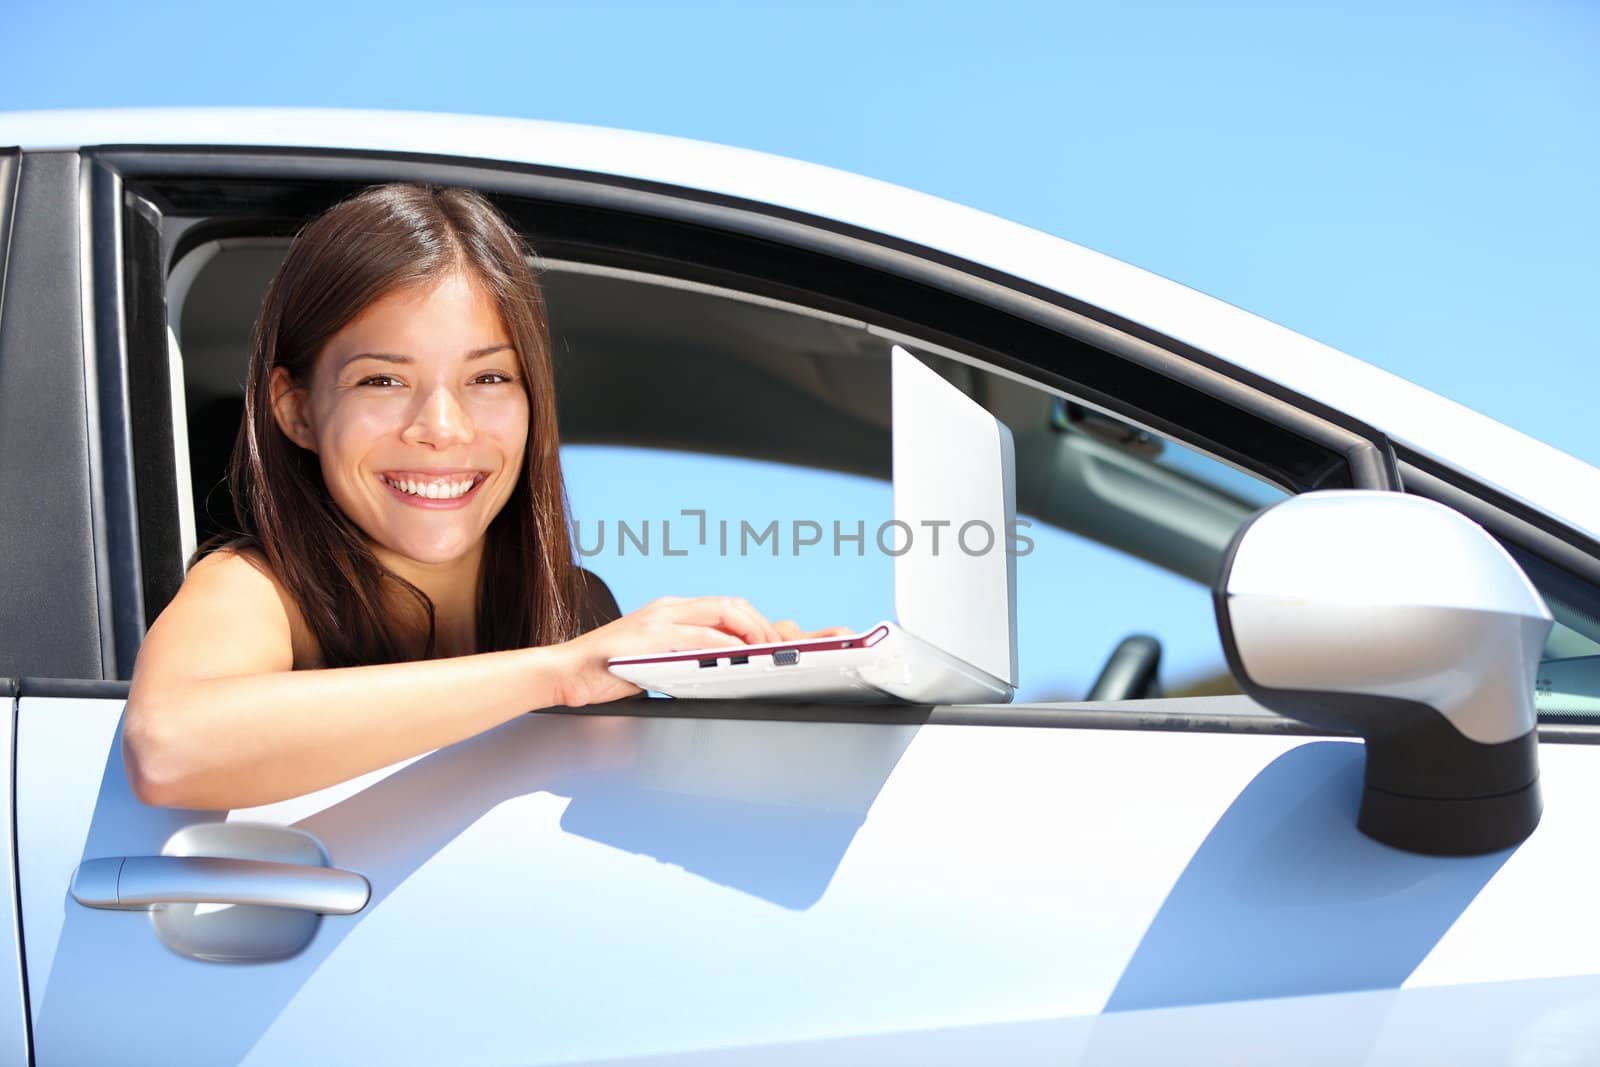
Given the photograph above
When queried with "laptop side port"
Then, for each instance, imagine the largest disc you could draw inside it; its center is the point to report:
(736, 660)
(786, 657)
(712, 662)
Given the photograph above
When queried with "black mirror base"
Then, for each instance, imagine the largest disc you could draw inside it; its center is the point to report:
(1466, 826)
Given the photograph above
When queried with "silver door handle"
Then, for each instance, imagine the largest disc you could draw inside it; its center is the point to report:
(132, 883)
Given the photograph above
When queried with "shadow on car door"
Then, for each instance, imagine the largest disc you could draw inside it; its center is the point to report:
(474, 854)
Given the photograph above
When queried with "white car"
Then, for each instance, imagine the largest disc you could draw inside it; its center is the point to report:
(1132, 878)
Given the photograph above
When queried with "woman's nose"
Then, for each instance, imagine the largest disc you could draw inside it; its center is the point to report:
(441, 420)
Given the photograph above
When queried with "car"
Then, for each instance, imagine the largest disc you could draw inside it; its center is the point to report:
(1193, 836)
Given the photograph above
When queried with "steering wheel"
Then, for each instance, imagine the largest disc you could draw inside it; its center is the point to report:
(1131, 672)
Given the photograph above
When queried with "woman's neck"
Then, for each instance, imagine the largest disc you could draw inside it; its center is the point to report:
(453, 589)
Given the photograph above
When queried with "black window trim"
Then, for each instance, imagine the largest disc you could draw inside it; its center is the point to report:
(1364, 448)
(112, 404)
(1507, 518)
(46, 396)
(10, 175)
(1369, 455)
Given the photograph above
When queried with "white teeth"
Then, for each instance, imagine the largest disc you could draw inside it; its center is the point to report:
(432, 490)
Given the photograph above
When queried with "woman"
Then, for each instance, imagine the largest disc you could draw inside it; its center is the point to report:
(404, 579)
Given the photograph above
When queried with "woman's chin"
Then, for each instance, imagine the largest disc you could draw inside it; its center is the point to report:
(431, 553)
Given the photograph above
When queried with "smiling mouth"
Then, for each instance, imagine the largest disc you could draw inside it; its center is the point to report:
(448, 487)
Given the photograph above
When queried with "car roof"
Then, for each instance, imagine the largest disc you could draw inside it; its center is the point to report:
(1520, 466)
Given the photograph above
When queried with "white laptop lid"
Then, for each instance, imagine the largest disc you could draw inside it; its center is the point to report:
(954, 477)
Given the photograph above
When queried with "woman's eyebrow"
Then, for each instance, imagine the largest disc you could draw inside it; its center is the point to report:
(391, 357)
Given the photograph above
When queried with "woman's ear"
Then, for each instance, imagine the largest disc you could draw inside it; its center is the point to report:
(291, 407)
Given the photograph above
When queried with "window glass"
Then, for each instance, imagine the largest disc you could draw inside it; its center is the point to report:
(656, 521)
(1567, 688)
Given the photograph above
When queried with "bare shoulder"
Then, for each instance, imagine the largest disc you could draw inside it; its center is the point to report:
(244, 573)
(230, 616)
(240, 568)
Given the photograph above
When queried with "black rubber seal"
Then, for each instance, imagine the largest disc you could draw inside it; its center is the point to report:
(1429, 788)
(73, 688)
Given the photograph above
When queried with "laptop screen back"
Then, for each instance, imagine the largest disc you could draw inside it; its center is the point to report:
(954, 505)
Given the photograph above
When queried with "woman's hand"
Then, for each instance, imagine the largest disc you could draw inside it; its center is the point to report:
(788, 630)
(666, 624)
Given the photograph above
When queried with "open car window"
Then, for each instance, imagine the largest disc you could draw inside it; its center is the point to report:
(718, 442)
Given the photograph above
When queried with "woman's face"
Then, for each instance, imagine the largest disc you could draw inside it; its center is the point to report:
(417, 413)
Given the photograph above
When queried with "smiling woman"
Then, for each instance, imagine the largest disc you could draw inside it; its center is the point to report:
(402, 352)
(395, 435)
(403, 576)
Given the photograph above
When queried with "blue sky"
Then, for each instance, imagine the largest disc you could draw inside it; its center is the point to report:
(1413, 183)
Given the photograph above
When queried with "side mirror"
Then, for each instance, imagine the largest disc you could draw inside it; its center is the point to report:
(1400, 620)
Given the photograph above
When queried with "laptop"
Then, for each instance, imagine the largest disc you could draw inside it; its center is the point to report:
(954, 636)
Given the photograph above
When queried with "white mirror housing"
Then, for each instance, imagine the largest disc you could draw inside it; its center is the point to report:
(1400, 620)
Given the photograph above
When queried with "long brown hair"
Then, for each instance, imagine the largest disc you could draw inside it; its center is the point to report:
(383, 239)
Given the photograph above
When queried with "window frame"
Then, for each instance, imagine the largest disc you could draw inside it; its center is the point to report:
(775, 253)
(150, 207)
(135, 227)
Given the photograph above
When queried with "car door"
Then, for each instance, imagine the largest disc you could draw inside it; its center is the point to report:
(1043, 882)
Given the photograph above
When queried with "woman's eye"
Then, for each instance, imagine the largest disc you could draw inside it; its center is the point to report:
(492, 377)
(383, 381)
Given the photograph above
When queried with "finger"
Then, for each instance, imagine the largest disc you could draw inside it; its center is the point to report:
(621, 689)
(767, 633)
(732, 614)
(690, 638)
(831, 631)
(788, 630)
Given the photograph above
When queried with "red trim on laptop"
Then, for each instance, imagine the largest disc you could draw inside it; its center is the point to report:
(820, 644)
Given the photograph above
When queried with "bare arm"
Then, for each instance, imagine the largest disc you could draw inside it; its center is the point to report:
(218, 718)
